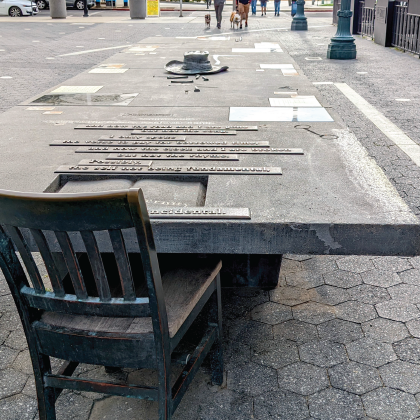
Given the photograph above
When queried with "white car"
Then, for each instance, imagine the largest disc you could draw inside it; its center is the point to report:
(18, 7)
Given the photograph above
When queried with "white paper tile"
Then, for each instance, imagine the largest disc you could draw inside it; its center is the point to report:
(108, 70)
(260, 114)
(297, 101)
(277, 66)
(313, 115)
(254, 50)
(77, 89)
(289, 72)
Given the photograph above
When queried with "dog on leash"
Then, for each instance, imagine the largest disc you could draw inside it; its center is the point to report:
(207, 19)
(235, 20)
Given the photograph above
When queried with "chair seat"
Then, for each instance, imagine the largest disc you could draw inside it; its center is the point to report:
(184, 283)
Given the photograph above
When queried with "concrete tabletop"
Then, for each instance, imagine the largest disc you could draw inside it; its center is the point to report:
(333, 199)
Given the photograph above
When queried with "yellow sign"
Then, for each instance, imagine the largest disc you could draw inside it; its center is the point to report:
(153, 7)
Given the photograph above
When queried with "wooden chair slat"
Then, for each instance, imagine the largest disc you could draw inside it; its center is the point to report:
(53, 273)
(123, 264)
(97, 265)
(72, 264)
(27, 258)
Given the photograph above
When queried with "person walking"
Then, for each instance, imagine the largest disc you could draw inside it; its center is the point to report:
(243, 10)
(264, 7)
(276, 7)
(254, 7)
(218, 8)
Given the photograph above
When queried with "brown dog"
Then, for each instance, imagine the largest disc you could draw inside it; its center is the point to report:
(235, 19)
(207, 19)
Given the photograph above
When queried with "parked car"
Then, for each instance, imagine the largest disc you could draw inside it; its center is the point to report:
(18, 7)
(76, 4)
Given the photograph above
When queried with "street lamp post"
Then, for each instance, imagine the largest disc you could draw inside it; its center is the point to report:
(85, 9)
(299, 22)
(180, 8)
(342, 46)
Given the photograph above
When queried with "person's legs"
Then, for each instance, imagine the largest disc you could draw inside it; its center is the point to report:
(277, 8)
(241, 12)
(254, 7)
(246, 11)
(220, 13)
(217, 11)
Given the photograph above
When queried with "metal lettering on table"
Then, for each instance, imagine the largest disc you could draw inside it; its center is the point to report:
(122, 126)
(221, 170)
(172, 156)
(198, 213)
(188, 131)
(193, 150)
(163, 143)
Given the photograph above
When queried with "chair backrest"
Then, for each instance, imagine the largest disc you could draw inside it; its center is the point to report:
(47, 219)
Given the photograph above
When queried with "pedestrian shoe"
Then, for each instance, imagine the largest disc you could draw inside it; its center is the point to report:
(240, 27)
(262, 14)
(246, 24)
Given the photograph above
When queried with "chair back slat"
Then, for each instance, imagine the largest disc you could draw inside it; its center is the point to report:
(97, 265)
(46, 255)
(27, 258)
(72, 264)
(123, 264)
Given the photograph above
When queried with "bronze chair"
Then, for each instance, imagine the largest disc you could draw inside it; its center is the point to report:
(120, 318)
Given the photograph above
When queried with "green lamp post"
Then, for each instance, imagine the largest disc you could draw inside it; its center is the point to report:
(299, 22)
(342, 46)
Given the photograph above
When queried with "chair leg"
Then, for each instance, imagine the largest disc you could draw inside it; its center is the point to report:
(216, 353)
(165, 392)
(46, 404)
(46, 395)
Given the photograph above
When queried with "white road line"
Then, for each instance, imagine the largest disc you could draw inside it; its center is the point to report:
(90, 51)
(245, 32)
(395, 134)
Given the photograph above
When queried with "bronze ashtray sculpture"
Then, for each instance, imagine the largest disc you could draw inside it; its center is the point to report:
(195, 62)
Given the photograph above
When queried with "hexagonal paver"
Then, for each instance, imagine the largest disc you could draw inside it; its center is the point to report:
(408, 349)
(410, 276)
(370, 352)
(271, 313)
(323, 353)
(366, 293)
(304, 279)
(23, 363)
(401, 375)
(354, 377)
(395, 264)
(407, 292)
(333, 404)
(18, 407)
(235, 353)
(297, 257)
(390, 404)
(397, 310)
(355, 263)
(291, 296)
(238, 302)
(355, 311)
(7, 355)
(252, 379)
(12, 382)
(280, 405)
(321, 264)
(17, 340)
(344, 279)
(249, 332)
(275, 354)
(303, 378)
(385, 330)
(314, 313)
(295, 330)
(414, 327)
(339, 331)
(330, 295)
(380, 278)
(73, 406)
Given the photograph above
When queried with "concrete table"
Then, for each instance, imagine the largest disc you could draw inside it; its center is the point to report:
(333, 199)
